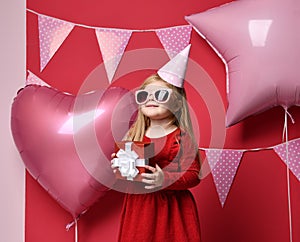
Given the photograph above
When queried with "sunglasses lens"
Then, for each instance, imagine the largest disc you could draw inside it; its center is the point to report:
(141, 96)
(162, 95)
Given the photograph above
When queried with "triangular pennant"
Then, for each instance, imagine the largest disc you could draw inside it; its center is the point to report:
(33, 79)
(112, 43)
(224, 164)
(52, 33)
(293, 158)
(174, 39)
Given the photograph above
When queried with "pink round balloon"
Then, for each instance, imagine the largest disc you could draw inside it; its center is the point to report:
(66, 141)
(258, 40)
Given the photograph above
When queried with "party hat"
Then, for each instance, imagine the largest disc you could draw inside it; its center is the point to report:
(174, 71)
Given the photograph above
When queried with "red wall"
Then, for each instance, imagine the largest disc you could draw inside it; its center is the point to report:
(256, 208)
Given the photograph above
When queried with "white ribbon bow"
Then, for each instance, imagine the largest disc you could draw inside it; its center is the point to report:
(127, 161)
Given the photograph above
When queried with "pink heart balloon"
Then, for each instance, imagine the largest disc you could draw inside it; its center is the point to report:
(66, 141)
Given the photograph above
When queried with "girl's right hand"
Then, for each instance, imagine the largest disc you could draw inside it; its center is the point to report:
(154, 179)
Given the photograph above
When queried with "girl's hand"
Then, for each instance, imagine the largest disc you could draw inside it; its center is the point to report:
(113, 155)
(154, 179)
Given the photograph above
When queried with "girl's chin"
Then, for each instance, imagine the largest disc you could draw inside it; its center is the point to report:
(157, 116)
(156, 112)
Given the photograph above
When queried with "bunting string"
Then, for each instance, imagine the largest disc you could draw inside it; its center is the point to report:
(224, 163)
(98, 27)
(243, 150)
(112, 41)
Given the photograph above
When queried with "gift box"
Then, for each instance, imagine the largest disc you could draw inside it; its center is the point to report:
(131, 158)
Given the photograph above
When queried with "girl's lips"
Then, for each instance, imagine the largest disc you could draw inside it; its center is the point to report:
(151, 106)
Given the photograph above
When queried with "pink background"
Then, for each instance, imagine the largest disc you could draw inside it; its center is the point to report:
(12, 173)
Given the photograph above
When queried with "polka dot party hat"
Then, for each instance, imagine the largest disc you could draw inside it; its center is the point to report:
(174, 71)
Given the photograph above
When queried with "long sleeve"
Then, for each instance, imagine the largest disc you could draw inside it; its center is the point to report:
(188, 163)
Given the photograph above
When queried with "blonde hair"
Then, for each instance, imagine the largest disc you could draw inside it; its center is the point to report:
(181, 116)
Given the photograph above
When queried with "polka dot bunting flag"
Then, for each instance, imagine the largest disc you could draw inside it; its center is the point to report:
(293, 158)
(175, 39)
(223, 164)
(52, 33)
(112, 43)
(33, 79)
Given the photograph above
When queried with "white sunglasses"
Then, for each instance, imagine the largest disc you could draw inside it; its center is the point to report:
(160, 95)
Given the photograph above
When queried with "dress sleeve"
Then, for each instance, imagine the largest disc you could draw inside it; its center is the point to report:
(187, 175)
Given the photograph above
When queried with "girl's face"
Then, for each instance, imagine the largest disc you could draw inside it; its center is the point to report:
(158, 105)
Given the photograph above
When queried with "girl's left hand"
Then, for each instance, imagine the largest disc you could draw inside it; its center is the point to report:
(154, 179)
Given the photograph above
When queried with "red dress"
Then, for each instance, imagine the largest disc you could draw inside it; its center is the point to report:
(168, 213)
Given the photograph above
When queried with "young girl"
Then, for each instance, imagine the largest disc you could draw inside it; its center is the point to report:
(165, 210)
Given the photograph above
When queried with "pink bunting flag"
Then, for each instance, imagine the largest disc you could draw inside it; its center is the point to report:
(223, 164)
(292, 158)
(112, 43)
(174, 39)
(52, 33)
(33, 79)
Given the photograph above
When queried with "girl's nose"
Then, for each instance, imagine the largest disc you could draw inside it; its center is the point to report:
(150, 97)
